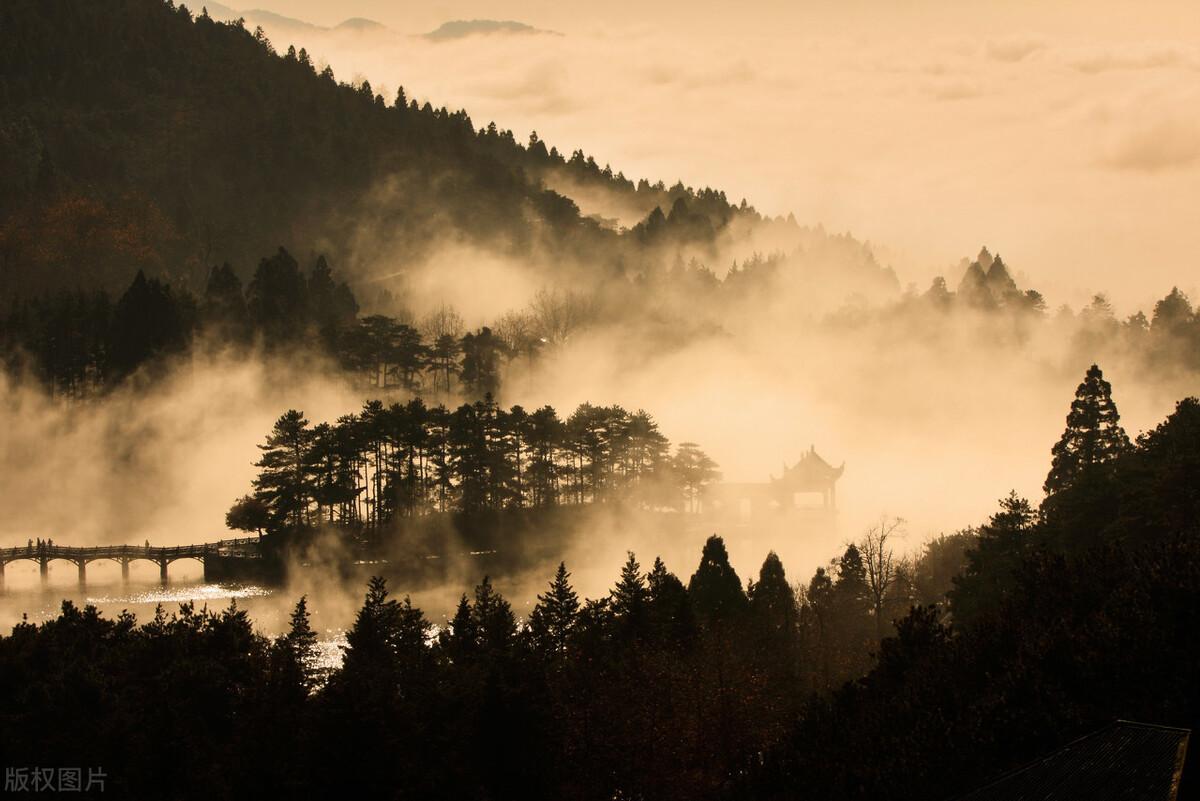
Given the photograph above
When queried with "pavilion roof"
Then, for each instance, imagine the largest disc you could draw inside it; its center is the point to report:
(810, 471)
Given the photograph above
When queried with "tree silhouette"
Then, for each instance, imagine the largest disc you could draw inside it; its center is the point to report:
(147, 322)
(628, 600)
(695, 471)
(670, 607)
(715, 589)
(1093, 438)
(772, 601)
(552, 620)
(880, 568)
(224, 308)
(249, 513)
(1002, 543)
(284, 481)
(481, 363)
(301, 645)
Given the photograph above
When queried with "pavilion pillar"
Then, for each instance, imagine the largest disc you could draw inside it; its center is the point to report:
(125, 570)
(833, 496)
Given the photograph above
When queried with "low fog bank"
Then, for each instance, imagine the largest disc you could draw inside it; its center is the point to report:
(935, 422)
(155, 460)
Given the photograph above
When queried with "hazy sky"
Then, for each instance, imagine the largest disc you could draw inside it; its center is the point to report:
(1064, 135)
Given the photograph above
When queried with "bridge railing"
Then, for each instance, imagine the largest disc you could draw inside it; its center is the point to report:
(132, 551)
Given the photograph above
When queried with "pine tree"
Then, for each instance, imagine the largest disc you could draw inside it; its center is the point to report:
(1093, 437)
(370, 650)
(460, 640)
(284, 481)
(481, 363)
(852, 575)
(715, 589)
(630, 597)
(670, 608)
(147, 322)
(772, 601)
(301, 644)
(543, 438)
(224, 309)
(493, 618)
(278, 300)
(992, 563)
(694, 471)
(553, 618)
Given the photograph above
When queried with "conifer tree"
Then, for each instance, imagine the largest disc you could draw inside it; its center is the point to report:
(147, 321)
(772, 601)
(553, 618)
(715, 589)
(284, 482)
(370, 643)
(992, 563)
(670, 608)
(493, 618)
(460, 640)
(277, 299)
(224, 309)
(630, 596)
(1093, 437)
(301, 644)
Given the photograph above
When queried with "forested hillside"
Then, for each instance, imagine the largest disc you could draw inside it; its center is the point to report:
(139, 135)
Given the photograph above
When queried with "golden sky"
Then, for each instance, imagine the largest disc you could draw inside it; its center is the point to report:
(1064, 135)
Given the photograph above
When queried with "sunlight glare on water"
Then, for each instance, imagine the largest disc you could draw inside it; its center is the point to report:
(197, 593)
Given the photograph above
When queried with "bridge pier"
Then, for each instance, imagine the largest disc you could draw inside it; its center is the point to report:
(44, 569)
(125, 570)
(82, 572)
(162, 571)
(2, 566)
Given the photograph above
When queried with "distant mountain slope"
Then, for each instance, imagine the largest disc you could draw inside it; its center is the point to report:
(460, 29)
(282, 26)
(359, 24)
(136, 136)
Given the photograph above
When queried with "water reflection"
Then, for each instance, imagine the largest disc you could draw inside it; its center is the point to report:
(196, 593)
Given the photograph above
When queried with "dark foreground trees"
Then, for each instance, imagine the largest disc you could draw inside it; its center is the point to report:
(662, 688)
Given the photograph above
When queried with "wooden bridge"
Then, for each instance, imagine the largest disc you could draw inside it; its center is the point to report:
(43, 553)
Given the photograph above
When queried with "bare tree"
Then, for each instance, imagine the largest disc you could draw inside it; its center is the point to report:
(557, 315)
(515, 330)
(445, 321)
(880, 564)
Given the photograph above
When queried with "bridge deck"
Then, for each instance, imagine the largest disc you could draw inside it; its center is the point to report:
(244, 546)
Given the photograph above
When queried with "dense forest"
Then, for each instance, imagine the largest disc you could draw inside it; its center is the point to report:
(150, 156)
(138, 135)
(79, 344)
(1038, 625)
(367, 470)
